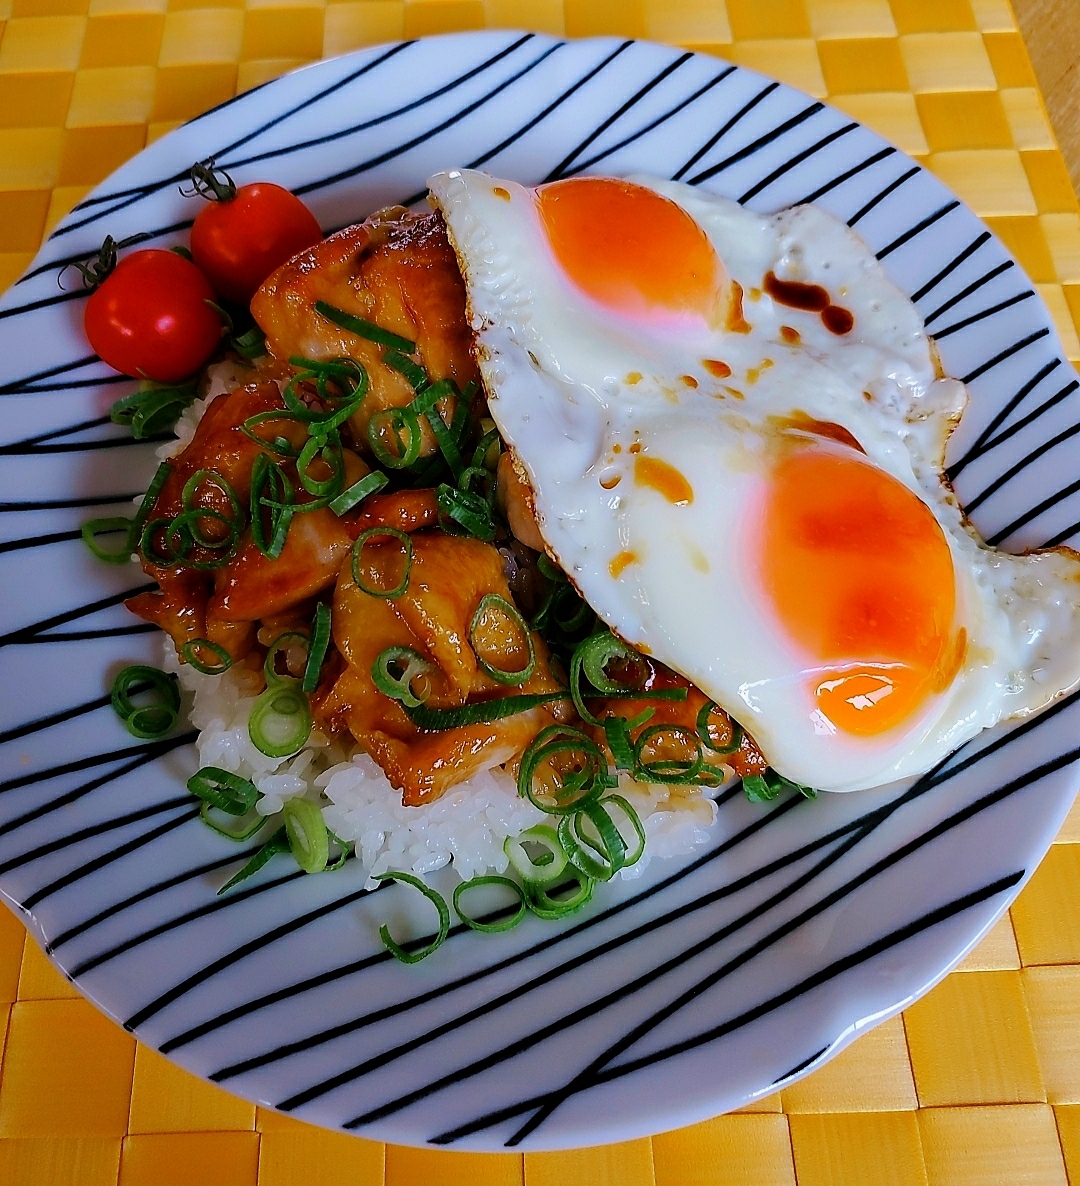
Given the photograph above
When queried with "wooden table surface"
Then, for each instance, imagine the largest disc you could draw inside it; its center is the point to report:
(1051, 29)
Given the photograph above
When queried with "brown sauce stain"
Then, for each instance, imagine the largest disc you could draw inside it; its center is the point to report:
(838, 320)
(689, 380)
(810, 297)
(635, 447)
(499, 192)
(611, 481)
(790, 335)
(715, 367)
(736, 322)
(660, 476)
(633, 377)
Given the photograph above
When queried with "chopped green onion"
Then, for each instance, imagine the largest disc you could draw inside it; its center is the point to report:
(543, 905)
(395, 421)
(307, 834)
(480, 712)
(251, 344)
(231, 827)
(282, 645)
(762, 788)
(491, 927)
(183, 533)
(585, 781)
(494, 603)
(280, 721)
(279, 445)
(189, 653)
(150, 552)
(267, 475)
(320, 640)
(358, 491)
(436, 899)
(597, 652)
(363, 328)
(152, 409)
(609, 846)
(634, 855)
(161, 475)
(279, 842)
(533, 872)
(212, 478)
(357, 552)
(411, 664)
(482, 454)
(466, 509)
(343, 851)
(673, 771)
(110, 526)
(477, 473)
(413, 371)
(733, 742)
(151, 721)
(329, 450)
(425, 404)
(224, 790)
(617, 735)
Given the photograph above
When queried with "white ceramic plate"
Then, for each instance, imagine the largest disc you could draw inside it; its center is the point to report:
(707, 983)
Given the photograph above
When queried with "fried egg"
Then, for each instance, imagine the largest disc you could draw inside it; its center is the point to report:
(735, 434)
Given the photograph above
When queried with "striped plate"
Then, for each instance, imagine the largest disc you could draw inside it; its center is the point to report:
(699, 987)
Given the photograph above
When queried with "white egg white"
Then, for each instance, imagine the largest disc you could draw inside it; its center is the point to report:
(579, 393)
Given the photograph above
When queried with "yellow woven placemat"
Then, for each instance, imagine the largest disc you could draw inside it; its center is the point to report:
(976, 1085)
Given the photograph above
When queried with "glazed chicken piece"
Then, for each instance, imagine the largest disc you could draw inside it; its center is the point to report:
(397, 270)
(449, 577)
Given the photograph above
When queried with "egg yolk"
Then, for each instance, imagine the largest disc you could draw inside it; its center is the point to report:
(861, 576)
(631, 249)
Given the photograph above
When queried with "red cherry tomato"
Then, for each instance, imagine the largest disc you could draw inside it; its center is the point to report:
(150, 317)
(239, 241)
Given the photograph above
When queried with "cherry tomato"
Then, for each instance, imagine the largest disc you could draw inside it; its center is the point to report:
(150, 317)
(239, 241)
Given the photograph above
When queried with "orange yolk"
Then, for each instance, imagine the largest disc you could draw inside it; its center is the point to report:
(631, 249)
(860, 575)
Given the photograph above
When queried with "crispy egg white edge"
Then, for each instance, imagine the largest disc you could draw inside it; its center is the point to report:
(1026, 604)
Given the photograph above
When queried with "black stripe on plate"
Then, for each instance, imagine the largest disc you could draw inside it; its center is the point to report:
(85, 635)
(88, 763)
(798, 159)
(1003, 479)
(974, 286)
(881, 155)
(71, 615)
(1024, 421)
(40, 541)
(743, 111)
(880, 197)
(1005, 354)
(885, 943)
(951, 266)
(1035, 511)
(917, 229)
(984, 313)
(61, 504)
(758, 144)
(560, 169)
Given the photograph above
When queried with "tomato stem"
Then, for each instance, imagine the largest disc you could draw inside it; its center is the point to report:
(97, 267)
(212, 183)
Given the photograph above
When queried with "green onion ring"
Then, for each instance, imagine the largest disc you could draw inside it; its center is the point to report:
(436, 899)
(152, 721)
(357, 551)
(267, 474)
(543, 905)
(480, 457)
(411, 662)
(317, 646)
(188, 654)
(491, 927)
(161, 475)
(396, 420)
(232, 828)
(413, 371)
(343, 854)
(510, 678)
(466, 510)
(677, 768)
(191, 487)
(280, 721)
(146, 544)
(617, 735)
(279, 445)
(95, 527)
(579, 787)
(702, 725)
(329, 449)
(363, 328)
(630, 858)
(283, 642)
(224, 790)
(597, 652)
(358, 491)
(610, 849)
(532, 873)
(306, 829)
